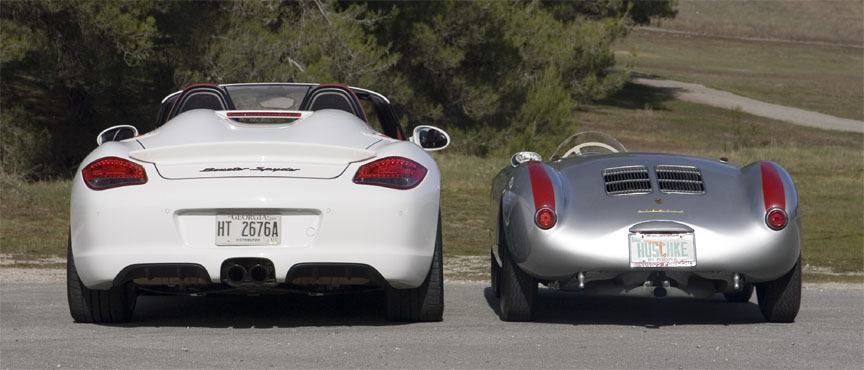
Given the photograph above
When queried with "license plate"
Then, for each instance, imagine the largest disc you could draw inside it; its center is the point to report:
(248, 229)
(662, 250)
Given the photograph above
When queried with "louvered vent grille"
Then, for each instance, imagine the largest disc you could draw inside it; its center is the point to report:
(679, 179)
(627, 180)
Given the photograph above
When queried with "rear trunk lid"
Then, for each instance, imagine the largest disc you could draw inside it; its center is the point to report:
(207, 144)
(609, 192)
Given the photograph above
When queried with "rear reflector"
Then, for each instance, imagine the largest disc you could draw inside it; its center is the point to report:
(391, 172)
(776, 218)
(544, 196)
(774, 197)
(111, 172)
(545, 218)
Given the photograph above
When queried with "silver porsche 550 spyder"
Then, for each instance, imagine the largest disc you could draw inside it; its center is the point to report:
(597, 219)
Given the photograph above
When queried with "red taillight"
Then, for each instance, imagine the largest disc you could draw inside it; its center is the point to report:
(776, 218)
(111, 172)
(545, 218)
(391, 172)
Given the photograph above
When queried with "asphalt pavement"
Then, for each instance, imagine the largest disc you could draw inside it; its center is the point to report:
(296, 331)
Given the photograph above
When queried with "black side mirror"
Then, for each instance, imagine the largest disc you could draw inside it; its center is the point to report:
(430, 138)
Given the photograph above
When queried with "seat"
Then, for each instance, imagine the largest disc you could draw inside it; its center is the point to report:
(200, 96)
(202, 100)
(333, 97)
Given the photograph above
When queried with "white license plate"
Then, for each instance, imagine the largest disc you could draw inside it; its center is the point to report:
(662, 250)
(248, 229)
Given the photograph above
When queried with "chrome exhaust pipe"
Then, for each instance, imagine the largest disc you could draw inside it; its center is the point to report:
(236, 274)
(258, 273)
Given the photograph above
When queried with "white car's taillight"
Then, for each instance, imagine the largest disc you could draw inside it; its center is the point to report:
(111, 172)
(391, 172)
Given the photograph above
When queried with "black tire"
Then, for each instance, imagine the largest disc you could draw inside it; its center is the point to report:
(495, 276)
(426, 302)
(780, 300)
(518, 290)
(96, 306)
(740, 297)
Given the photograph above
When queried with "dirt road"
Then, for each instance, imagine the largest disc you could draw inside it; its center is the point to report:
(700, 94)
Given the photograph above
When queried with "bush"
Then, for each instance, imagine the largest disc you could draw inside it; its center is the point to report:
(24, 149)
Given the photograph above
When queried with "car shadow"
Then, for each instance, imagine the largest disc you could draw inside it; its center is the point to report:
(635, 96)
(260, 312)
(573, 308)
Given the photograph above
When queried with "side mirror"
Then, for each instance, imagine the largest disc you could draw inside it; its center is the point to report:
(430, 138)
(116, 133)
(523, 157)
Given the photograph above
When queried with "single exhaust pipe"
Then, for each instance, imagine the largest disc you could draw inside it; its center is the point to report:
(258, 273)
(236, 273)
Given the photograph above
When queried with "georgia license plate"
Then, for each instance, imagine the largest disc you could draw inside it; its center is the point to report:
(662, 250)
(248, 229)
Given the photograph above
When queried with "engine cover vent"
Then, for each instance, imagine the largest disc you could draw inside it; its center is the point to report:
(627, 180)
(679, 179)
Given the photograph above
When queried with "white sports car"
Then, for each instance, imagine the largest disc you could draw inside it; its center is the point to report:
(259, 188)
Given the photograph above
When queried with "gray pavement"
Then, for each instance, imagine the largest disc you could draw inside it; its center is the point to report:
(572, 331)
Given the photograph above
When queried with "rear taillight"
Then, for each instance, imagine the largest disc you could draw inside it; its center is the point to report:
(774, 195)
(545, 218)
(111, 172)
(391, 172)
(776, 218)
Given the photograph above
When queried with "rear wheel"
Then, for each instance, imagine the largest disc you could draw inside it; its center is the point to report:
(518, 290)
(779, 300)
(495, 275)
(740, 297)
(97, 306)
(426, 302)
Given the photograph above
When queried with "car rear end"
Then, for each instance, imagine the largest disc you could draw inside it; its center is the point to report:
(636, 222)
(255, 207)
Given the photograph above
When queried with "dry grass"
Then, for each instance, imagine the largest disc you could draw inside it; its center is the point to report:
(831, 21)
(34, 219)
(824, 79)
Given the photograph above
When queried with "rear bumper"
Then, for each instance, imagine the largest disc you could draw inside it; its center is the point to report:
(172, 222)
(758, 254)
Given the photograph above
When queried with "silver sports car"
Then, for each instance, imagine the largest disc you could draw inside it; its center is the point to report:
(596, 219)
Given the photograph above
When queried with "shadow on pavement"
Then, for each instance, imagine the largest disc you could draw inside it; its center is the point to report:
(260, 312)
(573, 308)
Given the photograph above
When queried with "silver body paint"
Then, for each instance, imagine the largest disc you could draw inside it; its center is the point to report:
(591, 235)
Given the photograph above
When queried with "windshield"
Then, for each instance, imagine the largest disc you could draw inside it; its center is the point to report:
(588, 142)
(267, 97)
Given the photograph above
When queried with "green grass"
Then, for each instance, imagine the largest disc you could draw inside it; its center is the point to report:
(824, 79)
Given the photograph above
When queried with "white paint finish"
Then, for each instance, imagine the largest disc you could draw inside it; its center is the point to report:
(336, 220)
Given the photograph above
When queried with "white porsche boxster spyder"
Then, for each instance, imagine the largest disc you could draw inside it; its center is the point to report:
(257, 189)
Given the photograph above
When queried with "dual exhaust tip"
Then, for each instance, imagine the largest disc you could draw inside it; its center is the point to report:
(237, 274)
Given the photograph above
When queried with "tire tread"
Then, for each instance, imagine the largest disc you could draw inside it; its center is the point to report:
(780, 300)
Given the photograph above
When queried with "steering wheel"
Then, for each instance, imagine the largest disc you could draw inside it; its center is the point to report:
(577, 150)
